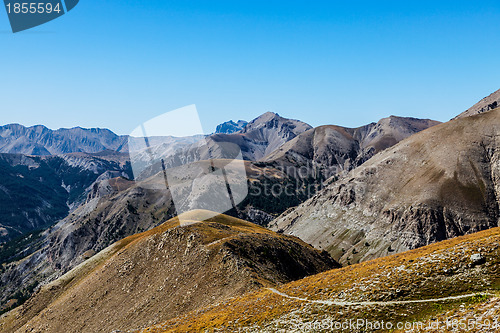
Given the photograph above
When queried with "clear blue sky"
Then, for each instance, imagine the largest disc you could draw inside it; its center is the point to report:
(117, 63)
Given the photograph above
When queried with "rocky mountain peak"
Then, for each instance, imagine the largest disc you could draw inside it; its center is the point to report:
(270, 131)
(230, 127)
(268, 119)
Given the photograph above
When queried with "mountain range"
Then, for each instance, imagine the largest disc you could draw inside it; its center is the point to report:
(93, 237)
(104, 209)
(441, 183)
(39, 140)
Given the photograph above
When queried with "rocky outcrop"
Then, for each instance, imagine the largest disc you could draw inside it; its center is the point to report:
(488, 103)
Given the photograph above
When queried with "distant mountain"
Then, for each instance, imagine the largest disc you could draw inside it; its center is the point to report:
(486, 104)
(42, 141)
(437, 184)
(331, 149)
(230, 127)
(166, 272)
(39, 140)
(269, 131)
(258, 139)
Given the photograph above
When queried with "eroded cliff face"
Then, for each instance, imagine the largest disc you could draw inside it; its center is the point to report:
(435, 185)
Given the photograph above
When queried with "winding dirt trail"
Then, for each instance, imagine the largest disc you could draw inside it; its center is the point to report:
(338, 303)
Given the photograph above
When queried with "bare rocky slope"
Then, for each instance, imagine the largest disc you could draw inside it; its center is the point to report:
(440, 183)
(114, 209)
(165, 272)
(269, 132)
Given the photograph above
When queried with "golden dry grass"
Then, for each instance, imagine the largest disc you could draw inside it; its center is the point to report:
(159, 274)
(417, 274)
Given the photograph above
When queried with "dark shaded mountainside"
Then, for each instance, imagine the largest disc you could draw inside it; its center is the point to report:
(440, 183)
(165, 272)
(36, 191)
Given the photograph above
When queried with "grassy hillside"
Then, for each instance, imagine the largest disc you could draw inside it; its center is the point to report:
(162, 273)
(419, 285)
